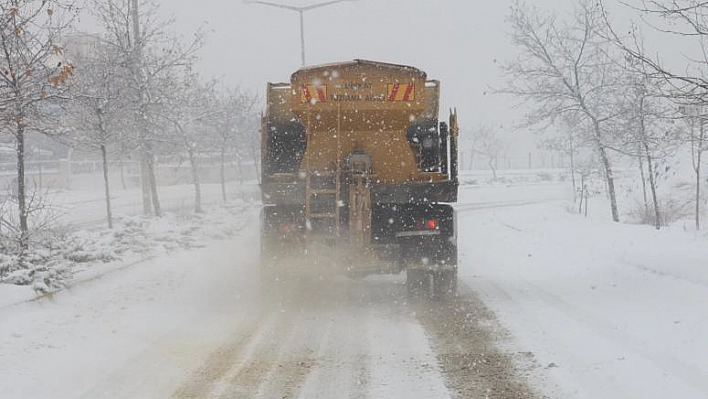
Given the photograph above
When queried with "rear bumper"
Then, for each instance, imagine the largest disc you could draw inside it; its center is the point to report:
(415, 192)
(294, 193)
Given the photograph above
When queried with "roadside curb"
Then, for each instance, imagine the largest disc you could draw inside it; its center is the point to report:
(78, 282)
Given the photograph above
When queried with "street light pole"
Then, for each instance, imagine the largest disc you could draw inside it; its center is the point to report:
(302, 37)
(301, 10)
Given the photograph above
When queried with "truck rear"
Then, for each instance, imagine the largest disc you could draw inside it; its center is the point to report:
(358, 175)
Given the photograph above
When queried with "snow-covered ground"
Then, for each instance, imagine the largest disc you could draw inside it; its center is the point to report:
(589, 308)
(80, 241)
(608, 310)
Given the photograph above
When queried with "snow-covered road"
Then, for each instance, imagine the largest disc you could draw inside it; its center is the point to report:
(573, 307)
(197, 325)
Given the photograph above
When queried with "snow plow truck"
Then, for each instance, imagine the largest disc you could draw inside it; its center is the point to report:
(358, 175)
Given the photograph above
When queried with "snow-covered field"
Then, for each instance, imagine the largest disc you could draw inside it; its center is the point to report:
(608, 310)
(585, 307)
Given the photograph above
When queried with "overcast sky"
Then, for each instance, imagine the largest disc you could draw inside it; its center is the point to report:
(454, 41)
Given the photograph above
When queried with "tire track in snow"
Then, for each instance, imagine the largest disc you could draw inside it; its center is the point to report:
(329, 339)
(221, 362)
(497, 205)
(280, 365)
(465, 336)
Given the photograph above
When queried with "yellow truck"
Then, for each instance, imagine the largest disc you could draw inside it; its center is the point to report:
(358, 175)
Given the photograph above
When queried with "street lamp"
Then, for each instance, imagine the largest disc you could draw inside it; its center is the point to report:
(301, 10)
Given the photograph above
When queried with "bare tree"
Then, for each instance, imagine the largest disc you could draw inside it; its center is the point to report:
(189, 107)
(151, 52)
(695, 117)
(644, 140)
(241, 129)
(567, 69)
(98, 106)
(490, 144)
(650, 130)
(686, 20)
(469, 144)
(569, 141)
(225, 132)
(32, 77)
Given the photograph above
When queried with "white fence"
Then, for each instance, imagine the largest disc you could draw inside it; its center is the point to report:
(87, 175)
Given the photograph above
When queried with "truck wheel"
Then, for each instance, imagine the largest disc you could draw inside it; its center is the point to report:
(413, 283)
(418, 284)
(445, 284)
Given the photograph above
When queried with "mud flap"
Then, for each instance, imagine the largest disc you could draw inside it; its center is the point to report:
(431, 284)
(431, 267)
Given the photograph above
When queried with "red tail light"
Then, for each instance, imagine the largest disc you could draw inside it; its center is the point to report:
(285, 227)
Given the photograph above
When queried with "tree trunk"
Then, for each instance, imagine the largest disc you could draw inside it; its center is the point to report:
(493, 168)
(652, 185)
(644, 184)
(106, 185)
(153, 183)
(239, 163)
(572, 168)
(609, 177)
(529, 160)
(610, 181)
(254, 155)
(698, 189)
(145, 184)
(697, 152)
(147, 171)
(222, 177)
(22, 188)
(195, 180)
(582, 194)
(122, 173)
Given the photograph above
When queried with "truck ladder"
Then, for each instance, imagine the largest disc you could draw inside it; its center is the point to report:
(323, 191)
(322, 201)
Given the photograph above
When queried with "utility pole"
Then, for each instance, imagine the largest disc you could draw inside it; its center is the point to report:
(301, 10)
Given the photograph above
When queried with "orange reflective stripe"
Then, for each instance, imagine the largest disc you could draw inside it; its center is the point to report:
(409, 91)
(306, 94)
(312, 92)
(321, 94)
(394, 91)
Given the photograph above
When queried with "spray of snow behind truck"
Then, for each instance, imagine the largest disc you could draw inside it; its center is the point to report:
(358, 174)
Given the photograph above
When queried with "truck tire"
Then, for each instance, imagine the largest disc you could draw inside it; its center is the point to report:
(445, 284)
(431, 285)
(418, 284)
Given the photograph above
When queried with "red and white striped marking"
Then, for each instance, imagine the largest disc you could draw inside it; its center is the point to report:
(401, 92)
(313, 93)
